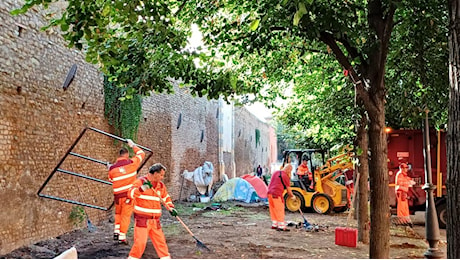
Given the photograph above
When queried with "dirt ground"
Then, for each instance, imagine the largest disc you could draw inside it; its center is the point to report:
(233, 230)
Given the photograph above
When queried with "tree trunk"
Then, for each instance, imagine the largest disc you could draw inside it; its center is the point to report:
(379, 246)
(380, 20)
(453, 135)
(363, 195)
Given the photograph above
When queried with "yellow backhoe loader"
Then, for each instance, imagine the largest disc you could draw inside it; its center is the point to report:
(327, 192)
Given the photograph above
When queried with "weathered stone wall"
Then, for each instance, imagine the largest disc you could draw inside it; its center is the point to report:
(188, 144)
(248, 153)
(40, 121)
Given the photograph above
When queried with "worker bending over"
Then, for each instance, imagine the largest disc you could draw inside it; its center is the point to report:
(278, 183)
(122, 174)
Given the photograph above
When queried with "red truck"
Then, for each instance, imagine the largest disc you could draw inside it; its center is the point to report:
(406, 146)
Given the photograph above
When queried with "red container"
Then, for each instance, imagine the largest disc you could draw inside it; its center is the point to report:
(346, 236)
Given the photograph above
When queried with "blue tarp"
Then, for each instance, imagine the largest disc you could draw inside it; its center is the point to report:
(236, 189)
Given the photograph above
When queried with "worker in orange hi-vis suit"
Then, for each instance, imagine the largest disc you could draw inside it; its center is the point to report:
(278, 183)
(403, 182)
(304, 173)
(122, 174)
(148, 193)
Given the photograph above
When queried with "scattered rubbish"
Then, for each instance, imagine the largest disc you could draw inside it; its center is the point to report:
(204, 199)
(192, 198)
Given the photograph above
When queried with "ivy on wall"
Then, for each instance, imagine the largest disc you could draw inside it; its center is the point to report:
(257, 137)
(122, 110)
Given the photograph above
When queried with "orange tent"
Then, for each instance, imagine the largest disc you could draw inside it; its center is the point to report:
(258, 184)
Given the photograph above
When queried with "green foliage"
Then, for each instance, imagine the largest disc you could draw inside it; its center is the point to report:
(123, 111)
(417, 77)
(140, 45)
(321, 109)
(77, 215)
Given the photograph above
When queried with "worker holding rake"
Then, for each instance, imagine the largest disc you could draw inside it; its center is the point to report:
(148, 193)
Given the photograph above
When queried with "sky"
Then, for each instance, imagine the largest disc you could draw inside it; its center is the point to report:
(259, 110)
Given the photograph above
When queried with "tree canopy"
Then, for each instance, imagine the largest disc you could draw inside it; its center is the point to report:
(263, 47)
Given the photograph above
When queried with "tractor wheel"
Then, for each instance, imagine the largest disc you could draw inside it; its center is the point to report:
(442, 214)
(294, 205)
(322, 203)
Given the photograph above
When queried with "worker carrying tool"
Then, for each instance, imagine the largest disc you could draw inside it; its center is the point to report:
(148, 192)
(305, 174)
(278, 183)
(403, 183)
(122, 174)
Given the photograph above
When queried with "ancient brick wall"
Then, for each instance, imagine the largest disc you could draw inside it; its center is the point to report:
(192, 137)
(249, 152)
(40, 121)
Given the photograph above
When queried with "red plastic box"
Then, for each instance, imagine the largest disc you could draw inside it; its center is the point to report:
(346, 236)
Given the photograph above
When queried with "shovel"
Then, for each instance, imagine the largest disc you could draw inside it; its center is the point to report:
(89, 225)
(199, 244)
(306, 224)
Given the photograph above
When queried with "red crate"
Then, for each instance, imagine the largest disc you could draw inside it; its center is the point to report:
(346, 236)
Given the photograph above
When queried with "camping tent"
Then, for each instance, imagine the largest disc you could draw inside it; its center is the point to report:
(258, 184)
(236, 189)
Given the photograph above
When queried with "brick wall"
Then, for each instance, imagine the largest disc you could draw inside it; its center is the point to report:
(40, 121)
(248, 153)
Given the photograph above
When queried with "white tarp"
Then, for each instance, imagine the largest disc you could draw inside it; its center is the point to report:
(201, 177)
(68, 254)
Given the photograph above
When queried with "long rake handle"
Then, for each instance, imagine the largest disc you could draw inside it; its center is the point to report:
(177, 217)
(185, 226)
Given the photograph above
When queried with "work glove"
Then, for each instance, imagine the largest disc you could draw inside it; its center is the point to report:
(145, 186)
(108, 165)
(293, 197)
(173, 212)
(130, 143)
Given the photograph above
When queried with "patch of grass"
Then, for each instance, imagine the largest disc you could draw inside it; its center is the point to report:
(187, 210)
(259, 216)
(225, 211)
(172, 230)
(77, 215)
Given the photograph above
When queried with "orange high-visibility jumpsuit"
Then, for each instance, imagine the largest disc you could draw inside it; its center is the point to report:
(275, 199)
(403, 182)
(122, 174)
(303, 172)
(147, 213)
